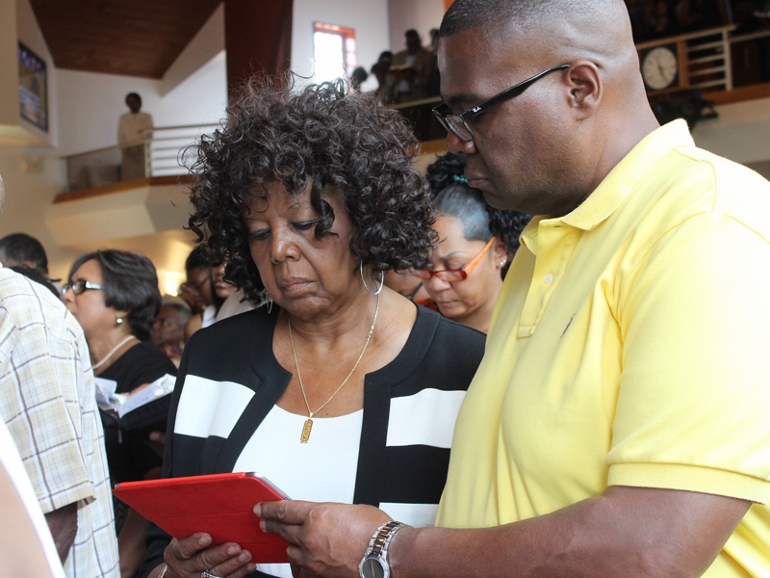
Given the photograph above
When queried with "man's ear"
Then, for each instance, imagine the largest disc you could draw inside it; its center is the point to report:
(585, 88)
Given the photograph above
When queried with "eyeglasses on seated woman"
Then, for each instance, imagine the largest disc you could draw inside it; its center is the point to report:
(310, 196)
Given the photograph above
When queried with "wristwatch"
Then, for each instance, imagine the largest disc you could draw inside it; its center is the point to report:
(375, 562)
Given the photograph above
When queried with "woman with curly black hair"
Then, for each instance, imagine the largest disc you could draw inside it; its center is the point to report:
(342, 390)
(476, 242)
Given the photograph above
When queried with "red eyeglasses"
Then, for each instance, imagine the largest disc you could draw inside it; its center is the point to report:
(454, 275)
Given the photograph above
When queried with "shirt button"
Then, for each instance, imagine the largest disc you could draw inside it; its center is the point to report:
(548, 278)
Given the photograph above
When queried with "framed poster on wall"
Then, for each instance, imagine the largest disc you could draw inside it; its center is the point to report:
(33, 88)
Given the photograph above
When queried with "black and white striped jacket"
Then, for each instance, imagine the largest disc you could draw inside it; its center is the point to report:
(229, 380)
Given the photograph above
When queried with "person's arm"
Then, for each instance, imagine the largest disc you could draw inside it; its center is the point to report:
(63, 524)
(630, 532)
(131, 542)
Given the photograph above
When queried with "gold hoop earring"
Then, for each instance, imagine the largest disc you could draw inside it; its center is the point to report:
(382, 281)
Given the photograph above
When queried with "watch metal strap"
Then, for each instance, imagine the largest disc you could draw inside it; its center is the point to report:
(378, 545)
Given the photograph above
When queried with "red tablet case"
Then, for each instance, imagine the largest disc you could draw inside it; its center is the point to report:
(218, 504)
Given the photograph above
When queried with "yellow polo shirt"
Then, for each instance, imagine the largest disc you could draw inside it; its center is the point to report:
(629, 346)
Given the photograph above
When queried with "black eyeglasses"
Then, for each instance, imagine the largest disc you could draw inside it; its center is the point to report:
(81, 285)
(457, 123)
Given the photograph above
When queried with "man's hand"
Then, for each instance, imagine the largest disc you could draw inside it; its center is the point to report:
(326, 539)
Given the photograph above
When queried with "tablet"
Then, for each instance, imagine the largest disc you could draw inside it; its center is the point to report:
(218, 504)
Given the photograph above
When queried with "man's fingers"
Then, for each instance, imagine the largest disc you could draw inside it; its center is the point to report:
(285, 511)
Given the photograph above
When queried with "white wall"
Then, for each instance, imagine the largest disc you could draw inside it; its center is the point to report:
(92, 103)
(32, 174)
(9, 64)
(369, 18)
(422, 15)
(741, 133)
(205, 45)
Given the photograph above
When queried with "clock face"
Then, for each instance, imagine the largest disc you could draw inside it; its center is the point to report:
(659, 68)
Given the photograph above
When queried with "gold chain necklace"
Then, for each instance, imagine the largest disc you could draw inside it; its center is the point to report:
(305, 436)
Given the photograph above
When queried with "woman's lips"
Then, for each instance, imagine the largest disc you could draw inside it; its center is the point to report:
(293, 284)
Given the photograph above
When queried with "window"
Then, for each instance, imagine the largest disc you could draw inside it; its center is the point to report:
(334, 51)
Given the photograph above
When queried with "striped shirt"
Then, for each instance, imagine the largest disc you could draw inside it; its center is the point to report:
(47, 400)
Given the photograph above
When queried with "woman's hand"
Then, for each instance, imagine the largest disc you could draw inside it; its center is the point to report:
(157, 441)
(188, 557)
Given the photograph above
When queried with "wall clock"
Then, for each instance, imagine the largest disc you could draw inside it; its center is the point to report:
(660, 67)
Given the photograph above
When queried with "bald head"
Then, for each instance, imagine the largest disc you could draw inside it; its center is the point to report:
(556, 31)
(572, 127)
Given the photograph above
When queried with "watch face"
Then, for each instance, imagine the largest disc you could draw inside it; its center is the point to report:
(659, 68)
(372, 568)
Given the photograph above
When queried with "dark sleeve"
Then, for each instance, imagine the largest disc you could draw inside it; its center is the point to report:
(157, 540)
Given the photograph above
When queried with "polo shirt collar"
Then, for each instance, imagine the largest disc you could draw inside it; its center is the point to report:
(616, 186)
(621, 180)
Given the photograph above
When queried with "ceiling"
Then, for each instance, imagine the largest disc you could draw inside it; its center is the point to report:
(126, 37)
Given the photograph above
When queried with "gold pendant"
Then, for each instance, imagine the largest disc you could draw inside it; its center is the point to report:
(306, 431)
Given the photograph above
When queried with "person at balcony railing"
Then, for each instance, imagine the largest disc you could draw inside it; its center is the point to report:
(384, 90)
(412, 69)
(659, 21)
(131, 135)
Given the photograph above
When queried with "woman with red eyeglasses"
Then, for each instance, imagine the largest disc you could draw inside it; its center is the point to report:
(475, 245)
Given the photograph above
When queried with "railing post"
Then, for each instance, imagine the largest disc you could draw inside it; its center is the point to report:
(148, 134)
(728, 60)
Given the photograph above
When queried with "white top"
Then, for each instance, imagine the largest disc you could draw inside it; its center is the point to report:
(322, 470)
(132, 126)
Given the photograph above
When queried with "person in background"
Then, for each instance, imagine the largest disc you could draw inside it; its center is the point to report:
(199, 291)
(20, 249)
(23, 250)
(384, 90)
(357, 78)
(617, 425)
(405, 284)
(412, 69)
(114, 296)
(476, 242)
(48, 403)
(168, 328)
(38, 277)
(132, 129)
(340, 388)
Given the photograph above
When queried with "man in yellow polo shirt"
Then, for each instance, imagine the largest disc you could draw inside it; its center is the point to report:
(617, 426)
